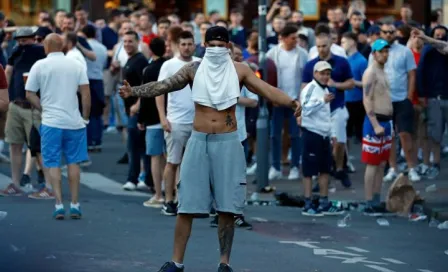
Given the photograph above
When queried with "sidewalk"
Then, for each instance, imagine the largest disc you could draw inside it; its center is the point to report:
(435, 205)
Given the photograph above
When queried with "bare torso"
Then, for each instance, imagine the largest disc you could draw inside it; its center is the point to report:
(382, 103)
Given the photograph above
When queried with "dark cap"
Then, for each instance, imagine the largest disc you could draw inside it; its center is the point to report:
(374, 30)
(217, 33)
(43, 31)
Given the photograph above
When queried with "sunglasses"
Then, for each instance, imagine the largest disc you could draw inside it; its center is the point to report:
(388, 32)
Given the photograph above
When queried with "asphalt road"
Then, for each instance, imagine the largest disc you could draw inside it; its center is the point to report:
(118, 234)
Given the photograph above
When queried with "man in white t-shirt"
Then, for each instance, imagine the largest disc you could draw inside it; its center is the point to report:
(70, 41)
(290, 59)
(63, 129)
(334, 48)
(178, 120)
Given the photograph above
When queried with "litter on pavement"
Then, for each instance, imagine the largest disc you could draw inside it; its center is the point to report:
(3, 215)
(345, 222)
(431, 188)
(443, 226)
(382, 222)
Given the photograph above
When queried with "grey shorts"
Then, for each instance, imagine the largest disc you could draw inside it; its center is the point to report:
(176, 140)
(213, 169)
(110, 82)
(437, 118)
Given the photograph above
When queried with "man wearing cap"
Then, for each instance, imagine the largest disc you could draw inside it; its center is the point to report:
(401, 74)
(373, 34)
(213, 167)
(315, 99)
(377, 128)
(21, 118)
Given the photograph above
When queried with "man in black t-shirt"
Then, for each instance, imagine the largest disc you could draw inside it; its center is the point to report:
(133, 74)
(149, 121)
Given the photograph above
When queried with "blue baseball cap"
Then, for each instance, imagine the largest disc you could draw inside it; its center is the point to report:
(379, 45)
(374, 30)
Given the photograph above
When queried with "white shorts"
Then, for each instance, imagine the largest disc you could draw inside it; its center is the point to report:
(176, 140)
(339, 118)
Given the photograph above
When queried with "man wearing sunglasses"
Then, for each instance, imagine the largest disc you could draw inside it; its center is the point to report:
(401, 74)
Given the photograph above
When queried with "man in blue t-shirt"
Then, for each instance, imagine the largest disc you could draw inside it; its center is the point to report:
(353, 97)
(341, 80)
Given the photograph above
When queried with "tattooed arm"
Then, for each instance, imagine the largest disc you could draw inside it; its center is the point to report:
(152, 89)
(442, 46)
(368, 84)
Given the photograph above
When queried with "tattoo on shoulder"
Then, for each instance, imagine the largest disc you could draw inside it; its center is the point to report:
(174, 83)
(368, 86)
(229, 119)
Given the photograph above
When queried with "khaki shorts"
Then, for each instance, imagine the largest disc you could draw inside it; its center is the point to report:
(110, 82)
(176, 140)
(18, 124)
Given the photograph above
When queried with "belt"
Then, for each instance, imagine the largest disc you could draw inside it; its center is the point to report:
(383, 118)
(442, 97)
(22, 104)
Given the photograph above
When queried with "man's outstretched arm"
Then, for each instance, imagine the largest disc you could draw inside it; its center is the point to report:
(152, 89)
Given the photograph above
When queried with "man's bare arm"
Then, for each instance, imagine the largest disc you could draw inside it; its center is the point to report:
(368, 86)
(346, 85)
(8, 71)
(247, 102)
(160, 104)
(34, 100)
(412, 78)
(174, 83)
(258, 86)
(442, 46)
(85, 101)
(87, 53)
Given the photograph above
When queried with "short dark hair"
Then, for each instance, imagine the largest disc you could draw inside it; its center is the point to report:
(235, 11)
(322, 28)
(213, 12)
(80, 8)
(288, 30)
(70, 15)
(72, 37)
(350, 35)
(434, 16)
(133, 33)
(49, 20)
(222, 21)
(114, 13)
(164, 20)
(185, 35)
(356, 13)
(90, 31)
(157, 46)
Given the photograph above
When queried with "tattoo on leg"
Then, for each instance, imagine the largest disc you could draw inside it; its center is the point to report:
(225, 233)
(229, 120)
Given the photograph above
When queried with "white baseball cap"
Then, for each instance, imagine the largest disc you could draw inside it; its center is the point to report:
(322, 66)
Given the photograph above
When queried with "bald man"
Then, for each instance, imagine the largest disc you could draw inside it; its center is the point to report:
(63, 129)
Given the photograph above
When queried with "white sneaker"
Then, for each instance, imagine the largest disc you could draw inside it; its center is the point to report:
(274, 173)
(129, 186)
(413, 175)
(351, 167)
(111, 130)
(141, 185)
(251, 170)
(390, 176)
(422, 169)
(294, 173)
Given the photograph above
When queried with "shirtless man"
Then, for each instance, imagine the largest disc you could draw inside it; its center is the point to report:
(377, 130)
(213, 167)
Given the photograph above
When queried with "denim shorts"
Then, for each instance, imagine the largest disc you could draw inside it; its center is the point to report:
(56, 142)
(155, 142)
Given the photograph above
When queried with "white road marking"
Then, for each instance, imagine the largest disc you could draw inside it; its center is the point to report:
(325, 251)
(354, 260)
(306, 244)
(4, 180)
(99, 182)
(393, 261)
(379, 268)
(424, 270)
(357, 249)
(259, 219)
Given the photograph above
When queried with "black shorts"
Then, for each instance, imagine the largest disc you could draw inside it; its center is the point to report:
(34, 145)
(355, 121)
(403, 116)
(251, 121)
(316, 154)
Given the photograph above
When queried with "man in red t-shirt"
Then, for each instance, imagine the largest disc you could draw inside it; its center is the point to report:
(145, 26)
(420, 136)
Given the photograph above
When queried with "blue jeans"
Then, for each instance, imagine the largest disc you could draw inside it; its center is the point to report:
(136, 150)
(279, 114)
(95, 131)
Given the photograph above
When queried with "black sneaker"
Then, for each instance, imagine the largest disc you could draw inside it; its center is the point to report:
(240, 222)
(330, 209)
(25, 180)
(124, 159)
(372, 211)
(224, 268)
(169, 209)
(170, 267)
(214, 222)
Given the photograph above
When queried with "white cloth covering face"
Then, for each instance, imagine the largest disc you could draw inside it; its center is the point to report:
(216, 83)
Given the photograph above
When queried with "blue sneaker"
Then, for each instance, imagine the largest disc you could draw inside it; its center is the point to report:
(329, 209)
(142, 177)
(170, 267)
(75, 213)
(59, 214)
(310, 211)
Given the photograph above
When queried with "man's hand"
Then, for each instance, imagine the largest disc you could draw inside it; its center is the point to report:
(423, 102)
(297, 109)
(331, 83)
(134, 109)
(141, 127)
(417, 33)
(379, 130)
(125, 90)
(165, 125)
(328, 97)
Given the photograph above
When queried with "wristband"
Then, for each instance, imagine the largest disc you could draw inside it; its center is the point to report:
(86, 122)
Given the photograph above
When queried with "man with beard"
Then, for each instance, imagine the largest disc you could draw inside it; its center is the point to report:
(214, 145)
(68, 26)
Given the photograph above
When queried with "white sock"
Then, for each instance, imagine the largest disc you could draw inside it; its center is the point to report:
(59, 206)
(178, 265)
(74, 206)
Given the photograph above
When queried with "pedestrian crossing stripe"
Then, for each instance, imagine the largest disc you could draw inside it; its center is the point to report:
(98, 182)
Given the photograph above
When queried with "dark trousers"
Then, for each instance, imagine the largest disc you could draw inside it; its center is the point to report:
(95, 131)
(136, 151)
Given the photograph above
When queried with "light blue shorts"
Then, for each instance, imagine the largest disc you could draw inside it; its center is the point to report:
(55, 142)
(155, 142)
(213, 169)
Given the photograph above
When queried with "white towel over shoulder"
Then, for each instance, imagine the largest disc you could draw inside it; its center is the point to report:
(216, 83)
